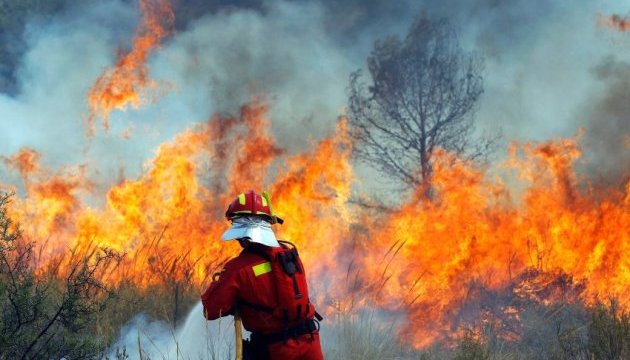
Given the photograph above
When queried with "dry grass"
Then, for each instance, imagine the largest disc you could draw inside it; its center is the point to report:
(362, 336)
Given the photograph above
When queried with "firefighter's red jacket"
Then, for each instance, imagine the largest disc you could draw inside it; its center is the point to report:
(246, 280)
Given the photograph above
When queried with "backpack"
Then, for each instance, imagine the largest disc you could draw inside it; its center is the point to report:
(291, 287)
(289, 277)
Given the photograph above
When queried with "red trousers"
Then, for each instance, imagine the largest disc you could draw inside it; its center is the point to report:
(302, 348)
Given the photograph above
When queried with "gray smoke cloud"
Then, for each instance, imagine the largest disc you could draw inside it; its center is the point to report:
(281, 54)
(607, 128)
(539, 77)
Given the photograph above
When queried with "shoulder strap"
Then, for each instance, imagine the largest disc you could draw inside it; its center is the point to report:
(288, 244)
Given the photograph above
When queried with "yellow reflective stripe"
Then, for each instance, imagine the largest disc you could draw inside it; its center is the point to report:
(261, 269)
(243, 212)
(267, 201)
(264, 202)
(241, 199)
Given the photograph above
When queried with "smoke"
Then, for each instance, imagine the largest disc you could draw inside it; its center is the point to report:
(539, 78)
(197, 339)
(607, 129)
(368, 332)
(282, 55)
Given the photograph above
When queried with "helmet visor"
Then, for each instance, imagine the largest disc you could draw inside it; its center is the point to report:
(255, 228)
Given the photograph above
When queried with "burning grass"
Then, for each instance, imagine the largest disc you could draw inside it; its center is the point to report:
(525, 320)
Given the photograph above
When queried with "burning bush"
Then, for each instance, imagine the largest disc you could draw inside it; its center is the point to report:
(45, 312)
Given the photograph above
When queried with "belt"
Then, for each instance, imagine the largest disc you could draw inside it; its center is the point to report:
(308, 327)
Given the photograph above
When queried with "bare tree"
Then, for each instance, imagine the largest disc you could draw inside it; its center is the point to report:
(423, 95)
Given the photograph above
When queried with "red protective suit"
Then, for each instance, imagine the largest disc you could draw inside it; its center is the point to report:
(240, 283)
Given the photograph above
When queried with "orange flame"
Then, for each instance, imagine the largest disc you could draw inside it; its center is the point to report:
(26, 161)
(553, 239)
(473, 231)
(47, 213)
(123, 85)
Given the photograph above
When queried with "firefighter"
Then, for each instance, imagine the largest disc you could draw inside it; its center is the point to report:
(266, 284)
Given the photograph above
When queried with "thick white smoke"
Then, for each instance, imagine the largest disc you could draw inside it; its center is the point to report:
(372, 332)
(197, 338)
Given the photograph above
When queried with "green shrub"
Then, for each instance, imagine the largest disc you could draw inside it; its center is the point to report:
(609, 333)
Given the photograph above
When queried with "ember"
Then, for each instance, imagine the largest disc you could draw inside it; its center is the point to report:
(615, 22)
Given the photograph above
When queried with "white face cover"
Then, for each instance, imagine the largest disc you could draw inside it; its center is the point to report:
(255, 228)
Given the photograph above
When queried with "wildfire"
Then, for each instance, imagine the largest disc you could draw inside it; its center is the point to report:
(123, 85)
(430, 259)
(422, 259)
(474, 231)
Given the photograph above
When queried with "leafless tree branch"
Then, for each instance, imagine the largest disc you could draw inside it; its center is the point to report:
(423, 96)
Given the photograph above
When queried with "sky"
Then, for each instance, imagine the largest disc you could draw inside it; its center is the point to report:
(550, 69)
